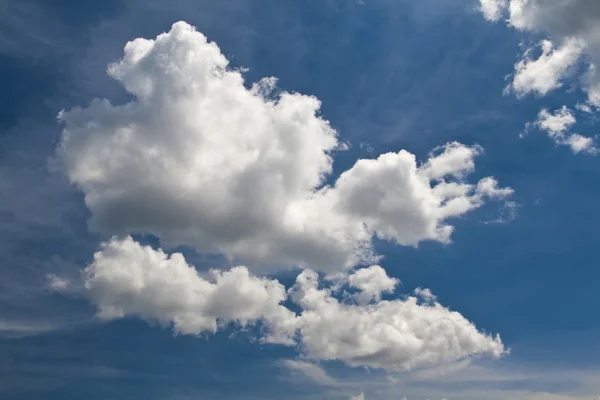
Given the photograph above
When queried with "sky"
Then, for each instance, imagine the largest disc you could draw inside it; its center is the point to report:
(315, 199)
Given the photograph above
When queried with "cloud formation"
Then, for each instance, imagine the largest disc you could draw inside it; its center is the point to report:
(200, 158)
(572, 28)
(127, 279)
(557, 126)
(573, 39)
(545, 73)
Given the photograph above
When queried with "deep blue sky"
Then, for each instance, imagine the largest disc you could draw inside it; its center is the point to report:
(391, 75)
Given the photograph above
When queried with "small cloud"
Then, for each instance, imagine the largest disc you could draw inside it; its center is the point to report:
(57, 283)
(425, 294)
(508, 213)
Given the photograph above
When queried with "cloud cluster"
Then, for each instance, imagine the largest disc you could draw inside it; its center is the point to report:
(128, 279)
(572, 27)
(200, 158)
(572, 30)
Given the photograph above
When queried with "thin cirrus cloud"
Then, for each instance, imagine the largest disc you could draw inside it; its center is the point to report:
(127, 279)
(571, 27)
(198, 158)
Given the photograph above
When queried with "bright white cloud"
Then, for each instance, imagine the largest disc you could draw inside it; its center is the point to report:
(570, 24)
(557, 126)
(397, 335)
(128, 279)
(558, 123)
(580, 143)
(546, 72)
(371, 282)
(198, 159)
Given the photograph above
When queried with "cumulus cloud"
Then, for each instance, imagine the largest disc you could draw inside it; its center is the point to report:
(128, 279)
(398, 335)
(557, 126)
(371, 282)
(200, 158)
(572, 28)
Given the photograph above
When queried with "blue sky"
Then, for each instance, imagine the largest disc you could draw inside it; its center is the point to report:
(390, 75)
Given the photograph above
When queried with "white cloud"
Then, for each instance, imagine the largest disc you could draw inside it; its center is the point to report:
(571, 24)
(371, 282)
(579, 143)
(492, 9)
(545, 73)
(396, 335)
(558, 123)
(425, 294)
(128, 279)
(557, 126)
(198, 159)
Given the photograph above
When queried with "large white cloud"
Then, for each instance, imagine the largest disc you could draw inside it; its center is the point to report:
(198, 158)
(128, 279)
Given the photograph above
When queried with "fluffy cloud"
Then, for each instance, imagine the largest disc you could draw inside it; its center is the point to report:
(198, 158)
(557, 126)
(371, 282)
(545, 73)
(398, 335)
(128, 279)
(572, 27)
